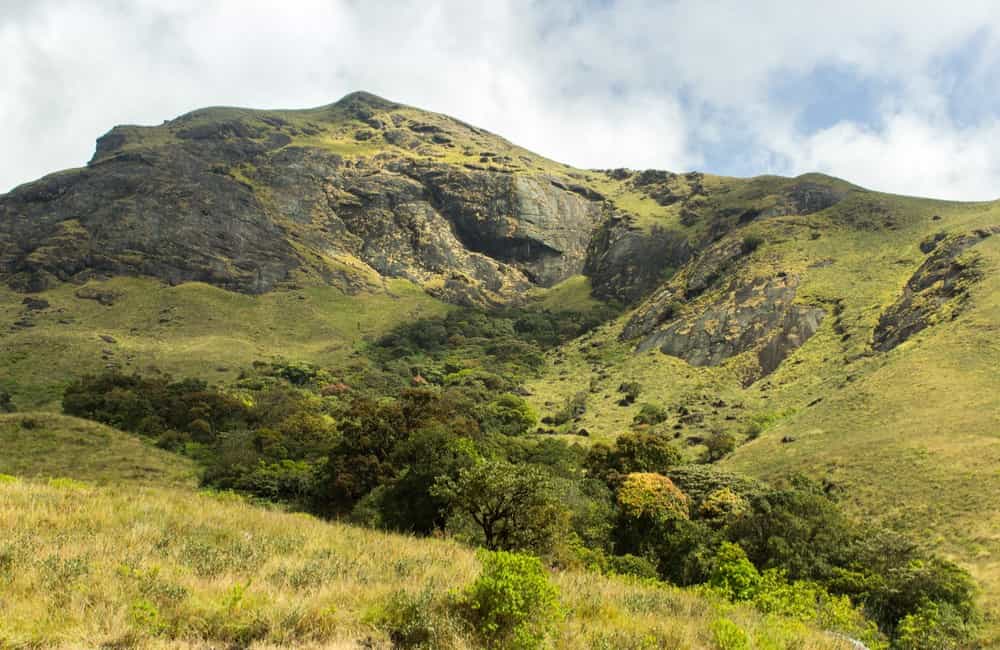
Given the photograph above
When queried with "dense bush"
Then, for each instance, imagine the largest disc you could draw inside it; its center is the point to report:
(632, 452)
(751, 243)
(630, 391)
(413, 621)
(932, 625)
(650, 414)
(153, 405)
(511, 605)
(719, 444)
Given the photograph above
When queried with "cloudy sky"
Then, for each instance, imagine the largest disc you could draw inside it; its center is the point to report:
(897, 96)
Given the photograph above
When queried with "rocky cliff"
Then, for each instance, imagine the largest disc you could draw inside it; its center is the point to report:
(252, 200)
(364, 190)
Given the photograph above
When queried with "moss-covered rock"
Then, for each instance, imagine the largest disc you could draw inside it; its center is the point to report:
(942, 280)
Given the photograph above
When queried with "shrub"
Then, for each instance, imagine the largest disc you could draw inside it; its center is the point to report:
(632, 565)
(759, 423)
(751, 243)
(732, 574)
(511, 605)
(931, 626)
(630, 392)
(574, 408)
(650, 414)
(729, 635)
(719, 444)
(411, 620)
(810, 602)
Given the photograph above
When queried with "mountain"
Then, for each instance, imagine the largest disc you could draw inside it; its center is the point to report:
(834, 330)
(252, 201)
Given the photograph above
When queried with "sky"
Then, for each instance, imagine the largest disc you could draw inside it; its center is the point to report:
(895, 96)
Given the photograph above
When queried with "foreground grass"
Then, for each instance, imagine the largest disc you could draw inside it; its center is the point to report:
(133, 566)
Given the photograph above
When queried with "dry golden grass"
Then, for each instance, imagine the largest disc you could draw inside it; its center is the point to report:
(83, 566)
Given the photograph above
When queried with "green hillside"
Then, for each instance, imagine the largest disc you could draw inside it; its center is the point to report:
(49, 446)
(911, 436)
(189, 330)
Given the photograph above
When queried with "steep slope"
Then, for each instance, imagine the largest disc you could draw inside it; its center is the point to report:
(893, 397)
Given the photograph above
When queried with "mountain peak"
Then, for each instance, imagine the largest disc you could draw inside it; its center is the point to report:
(361, 98)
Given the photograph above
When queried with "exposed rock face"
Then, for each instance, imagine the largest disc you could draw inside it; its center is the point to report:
(531, 222)
(698, 275)
(759, 315)
(942, 280)
(246, 200)
(161, 216)
(625, 263)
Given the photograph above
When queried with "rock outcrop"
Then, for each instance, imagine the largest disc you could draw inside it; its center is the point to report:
(626, 263)
(760, 315)
(248, 200)
(934, 292)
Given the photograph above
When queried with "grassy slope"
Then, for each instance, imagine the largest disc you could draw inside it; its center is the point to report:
(45, 445)
(188, 330)
(912, 435)
(916, 439)
(133, 565)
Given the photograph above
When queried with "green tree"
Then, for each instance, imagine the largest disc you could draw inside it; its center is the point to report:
(650, 496)
(510, 415)
(651, 513)
(513, 506)
(407, 502)
(722, 507)
(719, 444)
(632, 452)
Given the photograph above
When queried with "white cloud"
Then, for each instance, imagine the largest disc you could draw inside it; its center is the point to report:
(637, 83)
(910, 152)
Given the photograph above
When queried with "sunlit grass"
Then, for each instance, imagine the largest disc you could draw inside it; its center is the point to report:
(128, 566)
